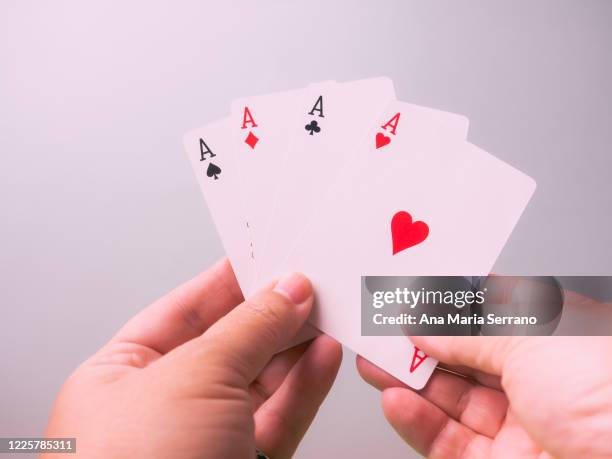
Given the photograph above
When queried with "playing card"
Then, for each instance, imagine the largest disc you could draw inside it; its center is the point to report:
(417, 122)
(211, 153)
(408, 121)
(301, 194)
(321, 134)
(261, 127)
(428, 207)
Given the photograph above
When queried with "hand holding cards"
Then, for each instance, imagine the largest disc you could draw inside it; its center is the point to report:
(339, 181)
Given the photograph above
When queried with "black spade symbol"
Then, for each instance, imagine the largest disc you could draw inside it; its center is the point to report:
(312, 127)
(213, 171)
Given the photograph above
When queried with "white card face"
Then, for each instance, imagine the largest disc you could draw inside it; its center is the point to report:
(427, 208)
(261, 128)
(211, 153)
(327, 116)
(311, 168)
(401, 119)
(414, 122)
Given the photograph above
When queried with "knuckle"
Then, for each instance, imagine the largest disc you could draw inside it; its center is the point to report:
(259, 391)
(463, 401)
(270, 309)
(440, 439)
(189, 314)
(506, 347)
(271, 316)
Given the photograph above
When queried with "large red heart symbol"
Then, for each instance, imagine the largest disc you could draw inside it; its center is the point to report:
(382, 140)
(405, 232)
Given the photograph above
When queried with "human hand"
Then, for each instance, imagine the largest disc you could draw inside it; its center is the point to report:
(526, 397)
(195, 375)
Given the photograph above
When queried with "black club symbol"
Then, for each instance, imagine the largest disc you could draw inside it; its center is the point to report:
(313, 127)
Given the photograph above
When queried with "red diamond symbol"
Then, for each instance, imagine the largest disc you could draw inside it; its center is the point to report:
(251, 140)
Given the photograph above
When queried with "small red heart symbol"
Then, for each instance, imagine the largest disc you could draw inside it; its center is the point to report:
(405, 232)
(382, 140)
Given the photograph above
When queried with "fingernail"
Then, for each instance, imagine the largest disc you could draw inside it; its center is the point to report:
(296, 287)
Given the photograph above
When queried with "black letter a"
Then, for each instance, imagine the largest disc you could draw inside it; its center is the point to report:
(318, 107)
(204, 152)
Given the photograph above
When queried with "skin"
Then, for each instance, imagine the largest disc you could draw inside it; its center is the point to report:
(506, 397)
(198, 375)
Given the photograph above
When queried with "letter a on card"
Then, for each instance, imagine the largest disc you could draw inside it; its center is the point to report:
(392, 123)
(417, 359)
(247, 118)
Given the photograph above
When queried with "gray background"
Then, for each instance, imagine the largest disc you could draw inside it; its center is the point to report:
(101, 213)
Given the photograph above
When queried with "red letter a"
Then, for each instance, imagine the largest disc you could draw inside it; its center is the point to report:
(247, 118)
(392, 123)
(418, 357)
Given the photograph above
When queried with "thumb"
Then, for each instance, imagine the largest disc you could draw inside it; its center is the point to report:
(245, 339)
(484, 353)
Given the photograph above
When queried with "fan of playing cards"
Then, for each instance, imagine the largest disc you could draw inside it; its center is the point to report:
(341, 180)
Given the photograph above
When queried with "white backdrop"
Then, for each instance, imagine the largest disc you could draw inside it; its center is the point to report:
(100, 211)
